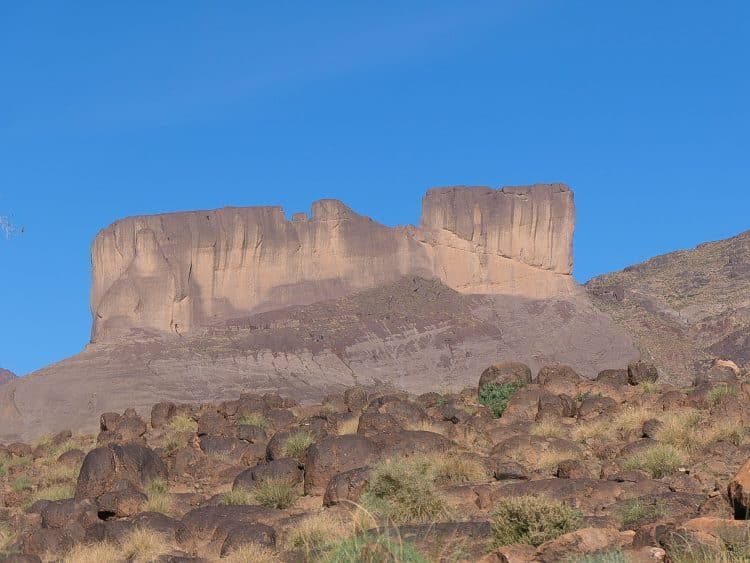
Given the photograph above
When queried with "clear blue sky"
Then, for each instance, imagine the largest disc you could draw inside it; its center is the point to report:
(110, 109)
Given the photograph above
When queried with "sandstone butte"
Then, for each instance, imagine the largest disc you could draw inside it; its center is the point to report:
(178, 271)
(203, 306)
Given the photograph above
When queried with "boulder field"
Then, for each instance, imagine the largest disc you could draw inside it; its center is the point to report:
(523, 466)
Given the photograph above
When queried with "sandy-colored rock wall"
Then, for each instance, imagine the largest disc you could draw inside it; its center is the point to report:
(178, 271)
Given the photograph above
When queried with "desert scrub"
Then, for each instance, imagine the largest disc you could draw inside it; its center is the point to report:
(254, 419)
(658, 461)
(21, 483)
(649, 387)
(403, 490)
(6, 536)
(582, 396)
(296, 444)
(348, 426)
(278, 492)
(183, 423)
(719, 392)
(317, 532)
(374, 549)
(622, 424)
(606, 557)
(733, 546)
(532, 520)
(549, 427)
(251, 553)
(237, 496)
(178, 433)
(455, 468)
(495, 396)
(92, 553)
(159, 499)
(641, 511)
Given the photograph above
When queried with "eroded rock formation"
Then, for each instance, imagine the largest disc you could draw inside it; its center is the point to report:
(6, 376)
(179, 271)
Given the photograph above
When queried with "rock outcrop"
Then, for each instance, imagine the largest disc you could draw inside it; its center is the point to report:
(687, 310)
(179, 271)
(6, 376)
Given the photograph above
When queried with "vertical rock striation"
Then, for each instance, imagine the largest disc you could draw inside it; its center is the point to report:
(179, 271)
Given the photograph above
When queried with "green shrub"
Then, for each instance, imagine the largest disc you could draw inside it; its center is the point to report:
(659, 460)
(495, 396)
(159, 499)
(296, 444)
(642, 511)
(532, 520)
(374, 549)
(276, 493)
(403, 490)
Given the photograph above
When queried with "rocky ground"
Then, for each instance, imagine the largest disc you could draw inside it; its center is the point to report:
(518, 469)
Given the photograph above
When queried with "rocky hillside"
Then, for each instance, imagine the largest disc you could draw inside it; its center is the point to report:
(416, 334)
(6, 376)
(685, 309)
(544, 469)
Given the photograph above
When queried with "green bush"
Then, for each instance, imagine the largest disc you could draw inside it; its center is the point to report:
(532, 520)
(403, 490)
(495, 396)
(374, 549)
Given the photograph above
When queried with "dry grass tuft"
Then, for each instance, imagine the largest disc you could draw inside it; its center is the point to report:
(549, 428)
(93, 553)
(276, 493)
(144, 545)
(254, 419)
(159, 499)
(426, 425)
(296, 444)
(315, 532)
(252, 553)
(659, 460)
(532, 520)
(348, 426)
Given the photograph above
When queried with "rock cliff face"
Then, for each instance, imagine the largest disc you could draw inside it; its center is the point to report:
(180, 271)
(6, 376)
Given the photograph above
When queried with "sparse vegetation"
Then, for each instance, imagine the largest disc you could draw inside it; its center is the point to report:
(659, 460)
(403, 490)
(532, 520)
(159, 499)
(719, 392)
(583, 395)
(21, 483)
(296, 444)
(276, 493)
(606, 557)
(179, 429)
(183, 423)
(53, 492)
(317, 532)
(496, 396)
(237, 496)
(549, 428)
(144, 545)
(374, 549)
(642, 510)
(254, 419)
(252, 553)
(348, 426)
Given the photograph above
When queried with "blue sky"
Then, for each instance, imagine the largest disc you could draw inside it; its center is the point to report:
(110, 109)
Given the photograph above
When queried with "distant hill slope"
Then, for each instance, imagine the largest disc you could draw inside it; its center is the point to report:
(686, 308)
(417, 334)
(6, 376)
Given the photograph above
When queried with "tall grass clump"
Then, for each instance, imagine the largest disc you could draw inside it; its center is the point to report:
(379, 548)
(722, 390)
(159, 499)
(659, 460)
(317, 532)
(532, 520)
(251, 553)
(276, 492)
(296, 444)
(404, 490)
(254, 419)
(495, 396)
